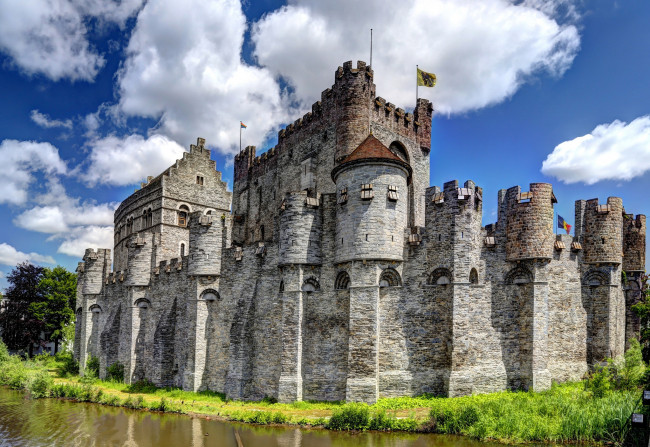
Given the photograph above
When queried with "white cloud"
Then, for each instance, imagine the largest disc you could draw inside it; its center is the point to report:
(127, 160)
(19, 161)
(81, 238)
(614, 151)
(184, 69)
(44, 120)
(10, 256)
(69, 220)
(50, 37)
(481, 52)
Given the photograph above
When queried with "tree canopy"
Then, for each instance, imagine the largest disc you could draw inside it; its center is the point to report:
(39, 304)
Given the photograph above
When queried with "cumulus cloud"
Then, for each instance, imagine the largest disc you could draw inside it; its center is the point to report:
(184, 69)
(481, 52)
(10, 256)
(81, 238)
(614, 151)
(70, 220)
(44, 120)
(127, 160)
(19, 161)
(50, 37)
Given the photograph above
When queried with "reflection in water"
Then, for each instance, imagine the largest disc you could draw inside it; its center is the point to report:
(51, 422)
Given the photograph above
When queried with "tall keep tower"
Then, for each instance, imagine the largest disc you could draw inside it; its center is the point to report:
(371, 219)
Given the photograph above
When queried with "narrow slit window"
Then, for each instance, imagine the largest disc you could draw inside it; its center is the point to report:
(393, 194)
(366, 191)
(343, 196)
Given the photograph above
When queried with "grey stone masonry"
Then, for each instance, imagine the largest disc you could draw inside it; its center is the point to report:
(334, 272)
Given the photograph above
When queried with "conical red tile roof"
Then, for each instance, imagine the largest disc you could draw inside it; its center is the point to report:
(370, 148)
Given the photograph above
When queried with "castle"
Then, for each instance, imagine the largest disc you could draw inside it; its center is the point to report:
(333, 272)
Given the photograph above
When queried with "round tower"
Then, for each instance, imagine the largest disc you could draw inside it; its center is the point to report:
(372, 203)
(96, 266)
(300, 229)
(140, 249)
(603, 231)
(454, 228)
(529, 222)
(634, 230)
(353, 90)
(206, 234)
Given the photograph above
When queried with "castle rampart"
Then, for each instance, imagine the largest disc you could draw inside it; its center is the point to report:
(340, 275)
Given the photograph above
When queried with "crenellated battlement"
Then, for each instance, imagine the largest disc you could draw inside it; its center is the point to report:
(350, 105)
(634, 244)
(467, 197)
(529, 222)
(600, 230)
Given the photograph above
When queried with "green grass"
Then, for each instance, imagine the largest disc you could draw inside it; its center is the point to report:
(588, 411)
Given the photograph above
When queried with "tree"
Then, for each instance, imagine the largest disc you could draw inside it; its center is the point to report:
(56, 310)
(20, 328)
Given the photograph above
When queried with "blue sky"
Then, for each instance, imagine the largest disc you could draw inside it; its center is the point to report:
(97, 94)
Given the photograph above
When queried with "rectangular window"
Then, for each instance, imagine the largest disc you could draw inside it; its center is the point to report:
(392, 193)
(343, 196)
(199, 180)
(366, 191)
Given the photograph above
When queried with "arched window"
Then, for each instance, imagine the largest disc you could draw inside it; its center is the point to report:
(519, 275)
(183, 213)
(440, 277)
(210, 295)
(149, 218)
(390, 278)
(595, 278)
(143, 225)
(142, 303)
(398, 149)
(129, 225)
(342, 281)
(182, 249)
(95, 309)
(473, 276)
(310, 285)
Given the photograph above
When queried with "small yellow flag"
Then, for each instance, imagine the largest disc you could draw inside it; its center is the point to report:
(426, 79)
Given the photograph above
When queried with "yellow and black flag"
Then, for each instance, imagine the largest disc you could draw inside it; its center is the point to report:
(426, 79)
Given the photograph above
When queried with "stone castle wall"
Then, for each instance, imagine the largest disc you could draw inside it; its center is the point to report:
(284, 289)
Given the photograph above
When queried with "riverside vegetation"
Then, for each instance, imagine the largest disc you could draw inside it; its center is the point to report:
(597, 409)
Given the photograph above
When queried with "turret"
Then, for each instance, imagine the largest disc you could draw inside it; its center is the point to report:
(206, 233)
(96, 267)
(634, 230)
(300, 229)
(602, 237)
(140, 249)
(529, 222)
(354, 90)
(372, 208)
(454, 227)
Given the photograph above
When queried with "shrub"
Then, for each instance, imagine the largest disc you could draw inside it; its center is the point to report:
(39, 383)
(4, 353)
(115, 372)
(89, 377)
(350, 417)
(599, 382)
(67, 365)
(92, 364)
(142, 386)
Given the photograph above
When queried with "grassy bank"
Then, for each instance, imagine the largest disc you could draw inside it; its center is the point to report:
(596, 410)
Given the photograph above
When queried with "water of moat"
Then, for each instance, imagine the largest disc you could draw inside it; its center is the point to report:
(53, 422)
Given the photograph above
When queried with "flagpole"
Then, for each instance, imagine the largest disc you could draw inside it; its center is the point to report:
(240, 136)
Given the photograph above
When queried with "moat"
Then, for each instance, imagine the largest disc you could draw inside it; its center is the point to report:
(53, 422)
